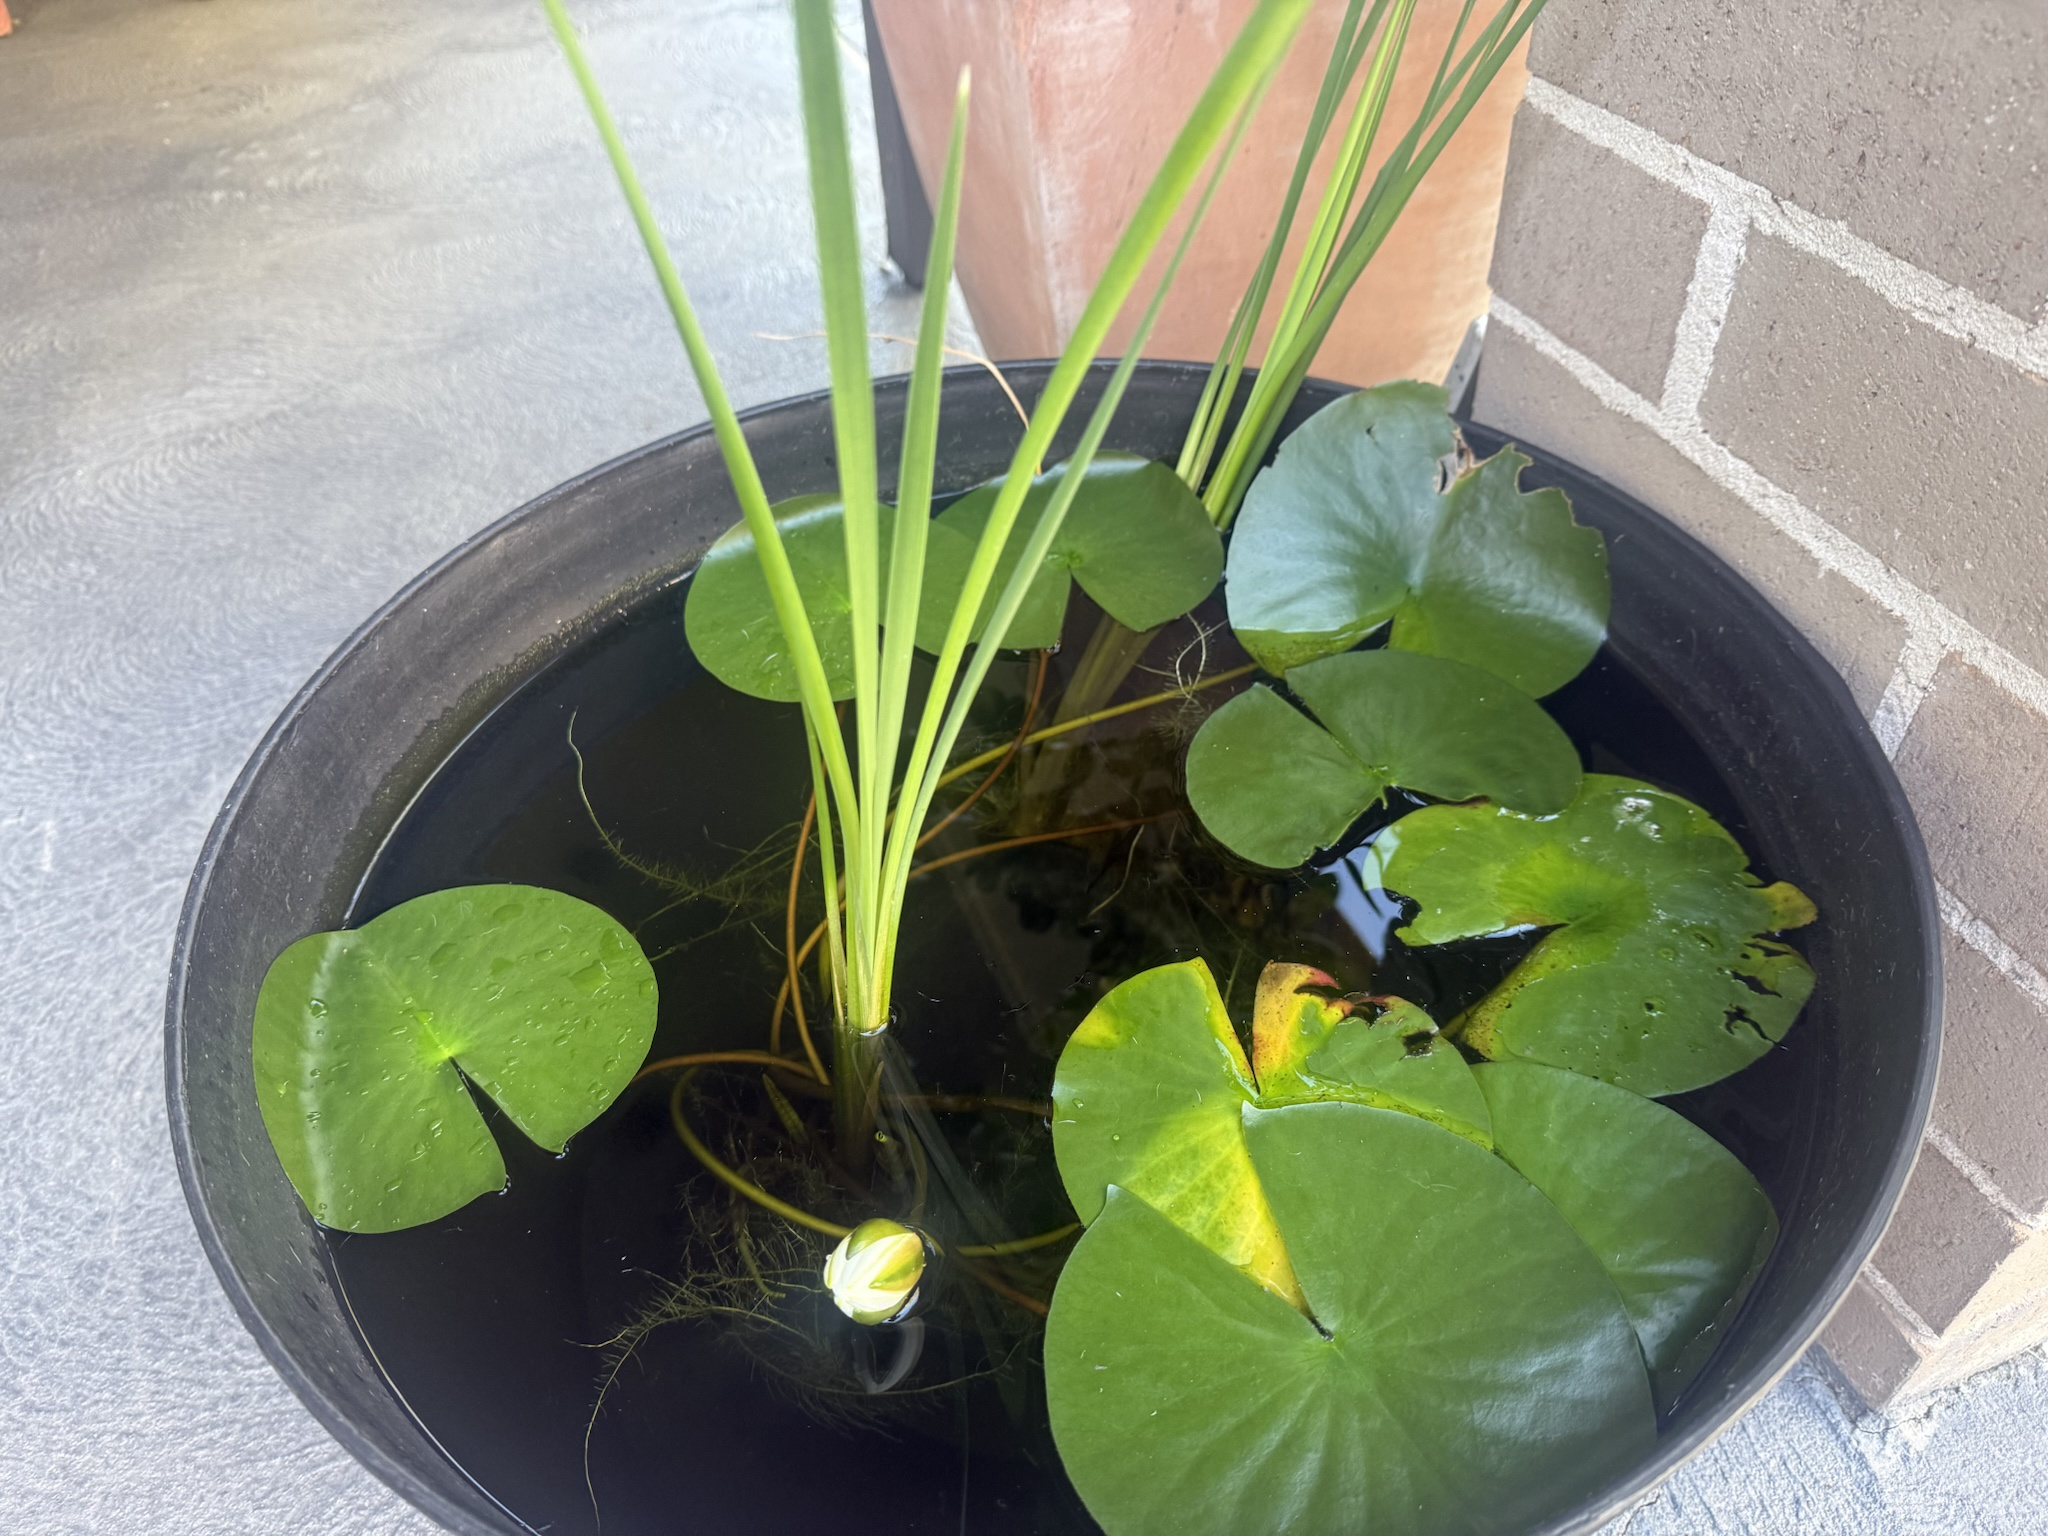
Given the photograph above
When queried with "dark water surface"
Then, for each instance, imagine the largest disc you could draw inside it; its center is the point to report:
(491, 1322)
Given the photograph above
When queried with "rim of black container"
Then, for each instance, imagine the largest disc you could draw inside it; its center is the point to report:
(1673, 1450)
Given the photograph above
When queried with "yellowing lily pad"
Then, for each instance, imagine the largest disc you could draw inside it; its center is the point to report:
(1147, 1095)
(1464, 1363)
(1308, 1046)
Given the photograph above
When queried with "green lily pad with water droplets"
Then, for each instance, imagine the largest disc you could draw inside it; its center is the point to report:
(1657, 978)
(363, 1039)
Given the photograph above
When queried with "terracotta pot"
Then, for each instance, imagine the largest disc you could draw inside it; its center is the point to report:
(1075, 102)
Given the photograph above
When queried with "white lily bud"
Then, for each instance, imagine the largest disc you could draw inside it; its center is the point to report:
(873, 1274)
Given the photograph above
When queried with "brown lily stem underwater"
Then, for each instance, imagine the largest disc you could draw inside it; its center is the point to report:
(809, 1075)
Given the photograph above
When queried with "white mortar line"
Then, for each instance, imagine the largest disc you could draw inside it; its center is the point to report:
(1958, 1340)
(1707, 298)
(1907, 691)
(1951, 310)
(1833, 549)
(1981, 1180)
(1981, 937)
(1924, 1339)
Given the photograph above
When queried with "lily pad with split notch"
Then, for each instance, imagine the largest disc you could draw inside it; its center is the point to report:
(1657, 975)
(1465, 1364)
(363, 1038)
(1274, 785)
(1347, 530)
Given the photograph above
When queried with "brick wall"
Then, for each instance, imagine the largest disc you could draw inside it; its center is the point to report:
(1781, 271)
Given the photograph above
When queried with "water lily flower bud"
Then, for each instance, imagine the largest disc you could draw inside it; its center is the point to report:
(874, 1272)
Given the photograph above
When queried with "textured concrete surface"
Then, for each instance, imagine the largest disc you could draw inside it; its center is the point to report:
(291, 300)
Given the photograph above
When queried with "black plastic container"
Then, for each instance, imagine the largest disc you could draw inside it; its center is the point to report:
(336, 772)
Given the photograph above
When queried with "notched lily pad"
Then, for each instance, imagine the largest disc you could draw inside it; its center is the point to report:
(1347, 530)
(1309, 1046)
(1657, 978)
(362, 1040)
(1273, 785)
(1465, 1364)
(730, 619)
(1680, 1225)
(1135, 538)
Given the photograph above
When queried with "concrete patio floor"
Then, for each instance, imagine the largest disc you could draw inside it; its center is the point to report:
(292, 299)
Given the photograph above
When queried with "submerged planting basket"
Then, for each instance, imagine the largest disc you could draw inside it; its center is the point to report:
(334, 775)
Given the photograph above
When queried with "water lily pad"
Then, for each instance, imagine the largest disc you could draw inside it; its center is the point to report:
(1657, 979)
(363, 1038)
(1347, 530)
(1679, 1224)
(1274, 786)
(1147, 1095)
(1135, 538)
(1466, 1364)
(730, 619)
(1308, 1046)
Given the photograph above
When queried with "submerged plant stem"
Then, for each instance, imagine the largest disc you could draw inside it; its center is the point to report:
(719, 1059)
(1016, 745)
(1131, 706)
(740, 1184)
(792, 984)
(1005, 1290)
(735, 1181)
(1112, 651)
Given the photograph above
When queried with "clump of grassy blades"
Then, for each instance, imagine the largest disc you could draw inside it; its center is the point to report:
(869, 815)
(872, 795)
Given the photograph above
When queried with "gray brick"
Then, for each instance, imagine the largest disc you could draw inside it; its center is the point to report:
(1869, 1344)
(1993, 1097)
(1944, 1242)
(1923, 127)
(1921, 448)
(1976, 767)
(1597, 250)
(1524, 394)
